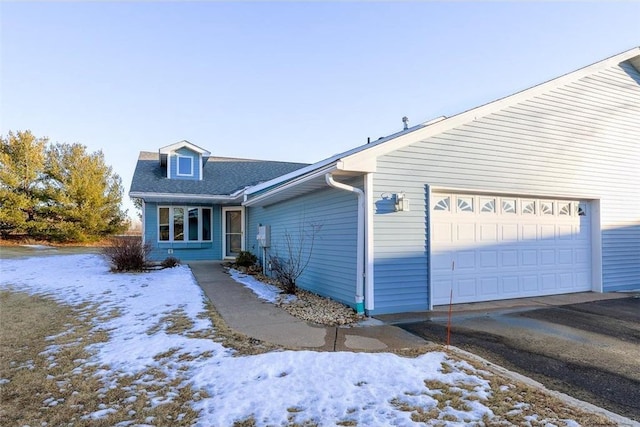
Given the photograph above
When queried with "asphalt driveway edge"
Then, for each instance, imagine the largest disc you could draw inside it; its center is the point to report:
(586, 406)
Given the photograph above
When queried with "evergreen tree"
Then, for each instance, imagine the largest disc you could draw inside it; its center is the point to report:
(22, 159)
(57, 192)
(84, 194)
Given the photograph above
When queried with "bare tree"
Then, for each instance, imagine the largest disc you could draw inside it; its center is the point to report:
(288, 269)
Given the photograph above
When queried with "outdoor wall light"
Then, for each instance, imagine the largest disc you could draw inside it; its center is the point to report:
(402, 203)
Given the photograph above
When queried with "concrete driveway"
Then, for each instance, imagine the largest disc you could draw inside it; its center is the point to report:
(590, 350)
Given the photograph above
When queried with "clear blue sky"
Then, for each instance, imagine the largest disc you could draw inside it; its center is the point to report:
(293, 81)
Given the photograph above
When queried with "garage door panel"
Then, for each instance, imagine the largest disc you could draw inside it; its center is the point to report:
(488, 232)
(548, 281)
(510, 285)
(466, 287)
(529, 232)
(582, 232)
(465, 233)
(566, 232)
(488, 259)
(442, 233)
(509, 258)
(583, 257)
(529, 257)
(509, 232)
(466, 260)
(565, 280)
(583, 280)
(547, 232)
(565, 256)
(441, 261)
(547, 257)
(493, 247)
(529, 283)
(489, 286)
(442, 289)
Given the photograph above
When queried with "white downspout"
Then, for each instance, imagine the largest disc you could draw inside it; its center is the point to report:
(359, 239)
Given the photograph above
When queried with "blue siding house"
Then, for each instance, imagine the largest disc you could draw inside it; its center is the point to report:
(192, 201)
(533, 194)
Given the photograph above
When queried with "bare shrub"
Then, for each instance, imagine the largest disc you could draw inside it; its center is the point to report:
(287, 269)
(285, 274)
(128, 254)
(170, 262)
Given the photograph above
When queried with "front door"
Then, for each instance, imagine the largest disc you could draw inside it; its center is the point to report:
(233, 231)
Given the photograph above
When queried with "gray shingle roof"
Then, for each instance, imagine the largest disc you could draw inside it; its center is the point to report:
(222, 175)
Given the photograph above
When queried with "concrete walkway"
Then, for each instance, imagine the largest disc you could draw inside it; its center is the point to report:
(244, 312)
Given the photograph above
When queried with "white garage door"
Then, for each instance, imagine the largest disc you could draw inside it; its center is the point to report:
(487, 247)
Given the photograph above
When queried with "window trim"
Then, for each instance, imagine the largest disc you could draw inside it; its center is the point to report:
(180, 156)
(185, 224)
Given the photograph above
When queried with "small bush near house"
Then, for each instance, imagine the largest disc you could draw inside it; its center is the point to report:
(128, 254)
(285, 273)
(170, 262)
(246, 259)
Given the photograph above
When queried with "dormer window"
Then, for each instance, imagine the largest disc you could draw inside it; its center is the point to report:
(185, 165)
(183, 160)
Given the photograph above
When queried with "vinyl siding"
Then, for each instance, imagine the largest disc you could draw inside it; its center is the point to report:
(581, 140)
(332, 267)
(173, 163)
(184, 251)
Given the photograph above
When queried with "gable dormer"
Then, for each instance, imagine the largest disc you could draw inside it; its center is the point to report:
(183, 160)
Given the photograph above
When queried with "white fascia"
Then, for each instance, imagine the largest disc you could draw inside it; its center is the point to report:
(181, 144)
(286, 186)
(179, 197)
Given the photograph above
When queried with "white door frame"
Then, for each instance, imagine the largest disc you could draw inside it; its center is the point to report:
(224, 229)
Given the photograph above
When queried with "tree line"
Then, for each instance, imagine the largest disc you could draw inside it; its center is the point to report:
(57, 192)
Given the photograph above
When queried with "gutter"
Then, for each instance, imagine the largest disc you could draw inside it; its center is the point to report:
(359, 238)
(178, 196)
(291, 184)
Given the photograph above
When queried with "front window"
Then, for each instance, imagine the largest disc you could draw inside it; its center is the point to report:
(179, 224)
(193, 224)
(206, 224)
(163, 224)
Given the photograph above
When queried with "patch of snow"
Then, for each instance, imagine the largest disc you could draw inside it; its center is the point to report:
(265, 291)
(96, 415)
(323, 386)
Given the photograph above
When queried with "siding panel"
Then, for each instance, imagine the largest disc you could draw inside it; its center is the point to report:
(580, 140)
(332, 267)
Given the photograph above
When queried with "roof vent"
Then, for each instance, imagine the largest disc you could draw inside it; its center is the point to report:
(405, 120)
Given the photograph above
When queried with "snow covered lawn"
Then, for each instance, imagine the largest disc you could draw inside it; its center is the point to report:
(157, 322)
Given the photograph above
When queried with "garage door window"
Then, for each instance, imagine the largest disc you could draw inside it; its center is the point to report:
(465, 204)
(565, 208)
(509, 206)
(488, 205)
(442, 204)
(582, 210)
(546, 208)
(529, 207)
